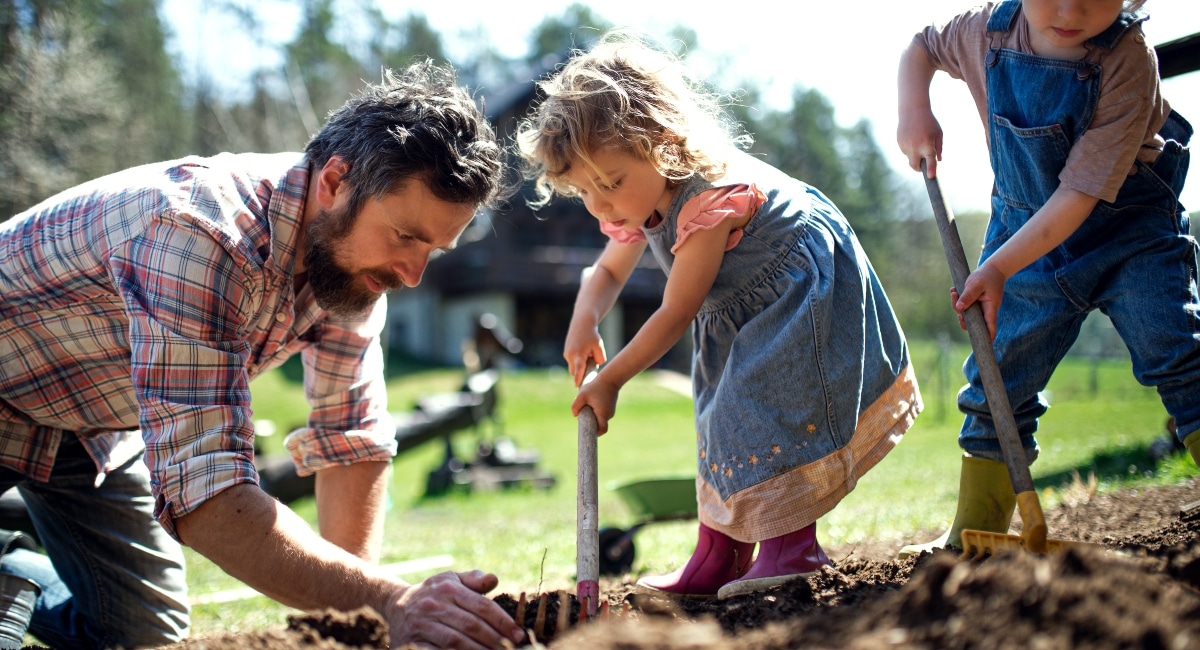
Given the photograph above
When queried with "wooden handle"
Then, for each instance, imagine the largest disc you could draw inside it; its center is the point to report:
(981, 343)
(587, 527)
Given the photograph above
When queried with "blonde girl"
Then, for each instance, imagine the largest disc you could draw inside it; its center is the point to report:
(800, 373)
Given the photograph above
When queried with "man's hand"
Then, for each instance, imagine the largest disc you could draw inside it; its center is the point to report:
(448, 611)
(261, 542)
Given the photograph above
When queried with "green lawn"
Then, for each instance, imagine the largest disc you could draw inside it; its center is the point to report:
(1101, 422)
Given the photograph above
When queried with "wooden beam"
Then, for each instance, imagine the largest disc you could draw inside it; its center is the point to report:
(1179, 56)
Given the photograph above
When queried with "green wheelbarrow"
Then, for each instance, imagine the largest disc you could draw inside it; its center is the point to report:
(653, 500)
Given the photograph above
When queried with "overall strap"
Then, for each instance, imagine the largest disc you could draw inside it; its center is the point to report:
(1004, 16)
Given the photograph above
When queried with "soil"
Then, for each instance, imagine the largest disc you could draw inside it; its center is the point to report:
(1139, 587)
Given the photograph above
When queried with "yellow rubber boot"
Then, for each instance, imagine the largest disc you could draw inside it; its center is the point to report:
(1192, 442)
(985, 502)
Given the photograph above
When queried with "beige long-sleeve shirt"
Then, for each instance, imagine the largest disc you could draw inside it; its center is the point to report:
(1130, 111)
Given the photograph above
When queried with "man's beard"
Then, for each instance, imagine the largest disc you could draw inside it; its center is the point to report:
(336, 289)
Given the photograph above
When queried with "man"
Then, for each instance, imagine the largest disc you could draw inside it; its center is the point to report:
(135, 309)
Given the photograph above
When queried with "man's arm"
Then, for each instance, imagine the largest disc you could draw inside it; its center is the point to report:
(350, 506)
(263, 543)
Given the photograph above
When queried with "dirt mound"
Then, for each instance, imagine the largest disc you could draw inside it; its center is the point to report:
(1139, 591)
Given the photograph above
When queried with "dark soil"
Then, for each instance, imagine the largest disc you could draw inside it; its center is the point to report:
(1138, 590)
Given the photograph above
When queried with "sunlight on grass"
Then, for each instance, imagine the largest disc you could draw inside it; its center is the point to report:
(1100, 422)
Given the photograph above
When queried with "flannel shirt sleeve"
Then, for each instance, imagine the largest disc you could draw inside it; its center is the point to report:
(188, 296)
(344, 384)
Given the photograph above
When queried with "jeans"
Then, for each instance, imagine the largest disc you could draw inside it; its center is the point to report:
(111, 575)
(1132, 258)
(1138, 267)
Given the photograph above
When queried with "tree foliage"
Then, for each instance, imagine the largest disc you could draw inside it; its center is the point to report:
(88, 87)
(63, 110)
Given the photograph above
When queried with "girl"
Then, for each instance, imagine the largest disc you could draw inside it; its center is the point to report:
(1089, 161)
(800, 373)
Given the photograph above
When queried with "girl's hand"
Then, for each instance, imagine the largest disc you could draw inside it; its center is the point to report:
(985, 285)
(601, 395)
(583, 343)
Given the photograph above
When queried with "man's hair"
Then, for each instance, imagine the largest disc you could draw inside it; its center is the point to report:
(416, 124)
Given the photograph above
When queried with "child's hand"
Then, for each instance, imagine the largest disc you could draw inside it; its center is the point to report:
(985, 285)
(918, 133)
(920, 138)
(601, 395)
(583, 343)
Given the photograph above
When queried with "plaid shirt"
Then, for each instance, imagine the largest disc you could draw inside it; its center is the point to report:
(147, 300)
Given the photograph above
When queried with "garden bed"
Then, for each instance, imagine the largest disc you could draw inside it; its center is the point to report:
(1142, 592)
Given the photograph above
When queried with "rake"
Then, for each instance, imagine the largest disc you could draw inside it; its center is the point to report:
(979, 543)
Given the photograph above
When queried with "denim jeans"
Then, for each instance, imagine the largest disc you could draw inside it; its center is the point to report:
(1132, 258)
(111, 575)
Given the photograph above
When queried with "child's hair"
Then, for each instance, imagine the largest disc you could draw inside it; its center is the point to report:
(628, 95)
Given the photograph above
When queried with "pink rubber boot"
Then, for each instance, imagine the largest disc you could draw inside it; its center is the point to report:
(718, 558)
(780, 559)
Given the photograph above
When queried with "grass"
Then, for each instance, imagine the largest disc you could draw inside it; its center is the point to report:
(1101, 422)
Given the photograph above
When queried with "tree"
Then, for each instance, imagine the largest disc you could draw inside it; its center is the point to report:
(396, 45)
(576, 28)
(87, 87)
(131, 35)
(893, 222)
(64, 110)
(319, 73)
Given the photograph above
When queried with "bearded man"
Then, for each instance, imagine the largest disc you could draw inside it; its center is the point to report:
(136, 308)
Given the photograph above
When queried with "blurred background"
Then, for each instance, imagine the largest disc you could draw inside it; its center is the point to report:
(88, 87)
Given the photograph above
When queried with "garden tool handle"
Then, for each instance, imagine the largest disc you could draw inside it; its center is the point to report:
(1032, 518)
(587, 524)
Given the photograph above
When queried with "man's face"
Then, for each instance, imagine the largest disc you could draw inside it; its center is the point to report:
(352, 260)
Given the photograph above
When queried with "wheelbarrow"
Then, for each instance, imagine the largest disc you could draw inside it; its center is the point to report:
(652, 500)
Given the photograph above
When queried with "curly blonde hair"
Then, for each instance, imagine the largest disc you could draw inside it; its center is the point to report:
(627, 95)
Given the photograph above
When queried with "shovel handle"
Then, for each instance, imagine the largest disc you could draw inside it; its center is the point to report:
(981, 343)
(587, 521)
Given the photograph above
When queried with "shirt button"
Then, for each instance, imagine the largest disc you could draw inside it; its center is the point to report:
(280, 317)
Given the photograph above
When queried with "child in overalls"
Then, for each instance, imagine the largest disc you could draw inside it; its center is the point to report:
(1089, 160)
(800, 373)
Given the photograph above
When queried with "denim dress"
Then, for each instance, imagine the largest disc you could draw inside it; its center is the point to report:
(1132, 259)
(800, 373)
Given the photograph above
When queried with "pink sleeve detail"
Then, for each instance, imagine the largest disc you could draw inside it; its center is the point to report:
(706, 210)
(620, 235)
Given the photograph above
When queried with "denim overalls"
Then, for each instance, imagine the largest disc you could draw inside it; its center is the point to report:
(800, 372)
(1132, 259)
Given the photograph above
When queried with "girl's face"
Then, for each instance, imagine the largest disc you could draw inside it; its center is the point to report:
(620, 189)
(1058, 28)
